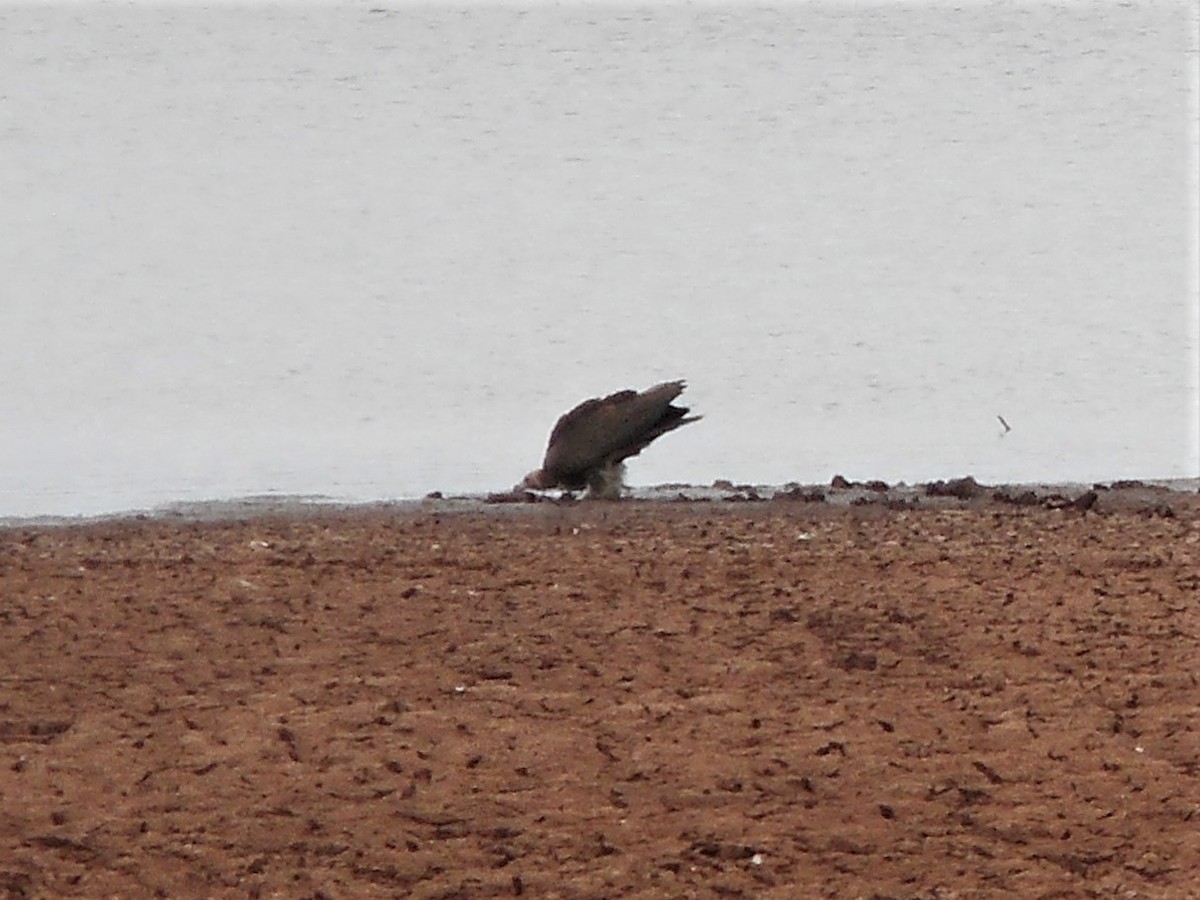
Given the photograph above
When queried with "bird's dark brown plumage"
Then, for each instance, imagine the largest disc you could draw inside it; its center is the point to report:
(589, 443)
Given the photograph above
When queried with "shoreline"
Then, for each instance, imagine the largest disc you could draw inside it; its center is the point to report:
(964, 492)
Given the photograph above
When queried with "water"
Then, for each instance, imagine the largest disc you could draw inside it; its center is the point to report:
(372, 252)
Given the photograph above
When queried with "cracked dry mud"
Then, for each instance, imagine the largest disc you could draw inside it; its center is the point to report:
(640, 699)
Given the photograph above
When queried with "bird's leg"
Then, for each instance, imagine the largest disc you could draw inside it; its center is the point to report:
(606, 482)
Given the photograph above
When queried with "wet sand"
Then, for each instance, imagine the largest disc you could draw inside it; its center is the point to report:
(925, 696)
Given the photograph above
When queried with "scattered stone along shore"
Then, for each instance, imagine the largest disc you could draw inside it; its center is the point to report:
(849, 690)
(1124, 494)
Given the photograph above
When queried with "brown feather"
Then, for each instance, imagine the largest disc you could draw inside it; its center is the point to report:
(598, 434)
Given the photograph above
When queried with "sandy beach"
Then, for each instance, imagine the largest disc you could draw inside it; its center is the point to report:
(953, 694)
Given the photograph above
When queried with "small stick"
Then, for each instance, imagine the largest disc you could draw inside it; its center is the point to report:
(1007, 427)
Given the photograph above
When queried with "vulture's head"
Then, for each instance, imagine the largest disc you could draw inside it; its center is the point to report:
(537, 480)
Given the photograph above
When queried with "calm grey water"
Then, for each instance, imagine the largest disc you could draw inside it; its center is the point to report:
(370, 252)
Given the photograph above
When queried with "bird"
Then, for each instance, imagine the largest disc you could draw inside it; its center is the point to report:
(589, 444)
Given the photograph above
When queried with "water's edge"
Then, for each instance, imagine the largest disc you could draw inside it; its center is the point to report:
(955, 492)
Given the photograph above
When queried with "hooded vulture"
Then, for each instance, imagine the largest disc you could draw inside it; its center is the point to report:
(589, 444)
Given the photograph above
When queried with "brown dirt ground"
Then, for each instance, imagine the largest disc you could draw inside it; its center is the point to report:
(768, 700)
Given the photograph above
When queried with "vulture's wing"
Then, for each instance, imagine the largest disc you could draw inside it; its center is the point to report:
(613, 428)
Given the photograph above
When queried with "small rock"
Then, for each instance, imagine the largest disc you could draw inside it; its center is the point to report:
(963, 488)
(801, 495)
